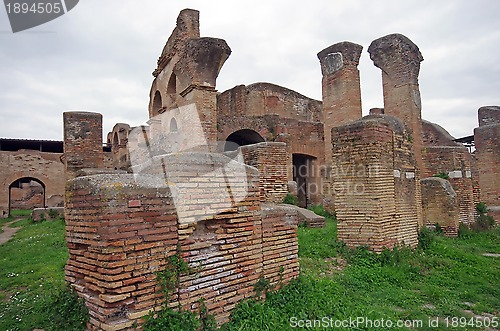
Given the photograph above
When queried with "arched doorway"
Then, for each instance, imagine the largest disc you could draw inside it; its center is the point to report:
(26, 193)
(241, 138)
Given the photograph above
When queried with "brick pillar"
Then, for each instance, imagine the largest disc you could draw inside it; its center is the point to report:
(399, 59)
(340, 87)
(82, 141)
(487, 141)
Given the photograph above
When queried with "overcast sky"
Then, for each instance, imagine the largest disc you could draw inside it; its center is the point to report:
(100, 55)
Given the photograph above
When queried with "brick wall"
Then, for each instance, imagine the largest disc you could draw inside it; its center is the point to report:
(440, 205)
(45, 167)
(487, 141)
(455, 161)
(271, 160)
(120, 229)
(279, 243)
(375, 183)
(82, 141)
(118, 234)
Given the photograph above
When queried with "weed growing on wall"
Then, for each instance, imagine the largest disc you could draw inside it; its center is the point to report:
(177, 319)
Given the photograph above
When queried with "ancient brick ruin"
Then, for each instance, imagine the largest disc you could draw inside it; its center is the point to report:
(206, 176)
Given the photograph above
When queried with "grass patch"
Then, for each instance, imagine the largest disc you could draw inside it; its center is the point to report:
(14, 213)
(449, 278)
(32, 289)
(20, 212)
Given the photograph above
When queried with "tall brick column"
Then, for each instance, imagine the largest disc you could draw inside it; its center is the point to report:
(82, 141)
(399, 59)
(487, 141)
(340, 87)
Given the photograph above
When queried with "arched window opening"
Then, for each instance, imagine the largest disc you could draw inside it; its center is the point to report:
(157, 103)
(172, 84)
(242, 138)
(173, 125)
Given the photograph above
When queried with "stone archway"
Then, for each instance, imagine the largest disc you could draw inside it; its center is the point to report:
(30, 200)
(241, 138)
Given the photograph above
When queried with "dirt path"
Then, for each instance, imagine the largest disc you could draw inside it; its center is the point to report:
(8, 232)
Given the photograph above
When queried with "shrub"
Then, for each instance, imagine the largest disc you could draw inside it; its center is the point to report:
(443, 175)
(67, 310)
(484, 221)
(291, 199)
(53, 214)
(425, 238)
(177, 320)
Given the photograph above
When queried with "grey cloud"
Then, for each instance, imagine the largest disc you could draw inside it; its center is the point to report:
(100, 56)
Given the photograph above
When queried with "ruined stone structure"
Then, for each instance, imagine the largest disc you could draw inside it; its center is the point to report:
(374, 183)
(440, 205)
(205, 177)
(28, 161)
(187, 195)
(487, 158)
(442, 155)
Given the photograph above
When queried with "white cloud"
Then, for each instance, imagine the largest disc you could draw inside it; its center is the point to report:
(101, 54)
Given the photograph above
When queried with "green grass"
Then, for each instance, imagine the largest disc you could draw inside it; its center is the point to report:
(447, 279)
(20, 212)
(14, 213)
(32, 289)
(444, 281)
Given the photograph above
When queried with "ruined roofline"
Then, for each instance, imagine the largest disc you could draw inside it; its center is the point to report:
(261, 86)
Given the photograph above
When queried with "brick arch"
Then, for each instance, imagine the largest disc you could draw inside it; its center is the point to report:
(43, 166)
(27, 179)
(242, 137)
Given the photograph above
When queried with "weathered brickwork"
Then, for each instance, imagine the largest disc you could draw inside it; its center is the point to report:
(375, 183)
(340, 88)
(399, 59)
(118, 139)
(82, 141)
(272, 162)
(30, 195)
(440, 205)
(441, 155)
(184, 76)
(120, 229)
(455, 162)
(46, 168)
(275, 114)
(279, 244)
(487, 141)
(119, 234)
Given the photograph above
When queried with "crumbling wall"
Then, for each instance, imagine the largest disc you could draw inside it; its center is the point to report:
(375, 183)
(118, 139)
(42, 166)
(203, 206)
(272, 162)
(293, 118)
(440, 205)
(455, 162)
(280, 248)
(444, 156)
(299, 127)
(487, 141)
(119, 234)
